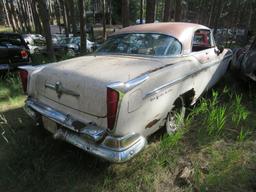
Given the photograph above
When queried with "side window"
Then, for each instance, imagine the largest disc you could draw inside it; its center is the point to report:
(202, 40)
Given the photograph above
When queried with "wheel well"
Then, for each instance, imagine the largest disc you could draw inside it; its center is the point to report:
(188, 97)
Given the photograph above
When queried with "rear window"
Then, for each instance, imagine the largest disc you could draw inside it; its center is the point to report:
(15, 40)
(141, 44)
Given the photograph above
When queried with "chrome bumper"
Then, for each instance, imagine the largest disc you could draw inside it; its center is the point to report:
(88, 136)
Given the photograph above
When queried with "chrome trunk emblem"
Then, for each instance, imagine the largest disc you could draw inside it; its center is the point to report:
(58, 87)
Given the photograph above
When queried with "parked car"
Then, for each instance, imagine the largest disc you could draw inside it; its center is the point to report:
(58, 37)
(14, 51)
(244, 60)
(139, 80)
(72, 45)
(35, 42)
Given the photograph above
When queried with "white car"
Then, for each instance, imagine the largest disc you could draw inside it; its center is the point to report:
(36, 43)
(109, 103)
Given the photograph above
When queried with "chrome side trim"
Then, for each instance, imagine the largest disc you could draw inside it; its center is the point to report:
(169, 84)
(125, 87)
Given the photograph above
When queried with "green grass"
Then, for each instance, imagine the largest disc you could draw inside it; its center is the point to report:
(221, 156)
(11, 94)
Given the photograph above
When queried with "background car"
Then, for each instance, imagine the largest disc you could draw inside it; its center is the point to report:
(35, 42)
(14, 51)
(72, 45)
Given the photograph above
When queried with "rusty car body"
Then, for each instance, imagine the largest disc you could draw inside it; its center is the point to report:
(109, 103)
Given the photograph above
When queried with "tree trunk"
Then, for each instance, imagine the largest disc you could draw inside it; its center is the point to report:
(57, 13)
(37, 22)
(248, 24)
(64, 16)
(104, 34)
(167, 10)
(82, 26)
(67, 12)
(44, 14)
(110, 12)
(141, 11)
(25, 15)
(178, 11)
(93, 11)
(212, 13)
(218, 13)
(72, 16)
(30, 16)
(150, 11)
(11, 16)
(125, 13)
(7, 14)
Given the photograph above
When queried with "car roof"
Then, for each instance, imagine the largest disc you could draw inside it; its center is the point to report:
(182, 31)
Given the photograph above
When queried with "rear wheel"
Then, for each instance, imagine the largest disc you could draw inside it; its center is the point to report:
(175, 118)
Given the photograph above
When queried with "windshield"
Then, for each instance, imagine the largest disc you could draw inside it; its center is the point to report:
(141, 44)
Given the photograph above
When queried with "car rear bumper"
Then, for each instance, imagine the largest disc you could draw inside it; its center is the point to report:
(90, 138)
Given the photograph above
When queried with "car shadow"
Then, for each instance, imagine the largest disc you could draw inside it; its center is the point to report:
(36, 160)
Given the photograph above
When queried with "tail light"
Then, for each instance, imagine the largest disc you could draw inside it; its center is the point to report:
(24, 54)
(24, 79)
(112, 104)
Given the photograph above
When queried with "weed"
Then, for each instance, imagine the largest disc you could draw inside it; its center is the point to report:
(243, 134)
(172, 140)
(239, 112)
(216, 120)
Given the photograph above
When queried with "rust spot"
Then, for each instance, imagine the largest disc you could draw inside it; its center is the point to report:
(151, 123)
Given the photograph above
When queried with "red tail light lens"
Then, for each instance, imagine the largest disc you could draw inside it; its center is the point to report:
(112, 104)
(24, 54)
(24, 79)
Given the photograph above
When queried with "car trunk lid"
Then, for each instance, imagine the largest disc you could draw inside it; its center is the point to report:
(81, 83)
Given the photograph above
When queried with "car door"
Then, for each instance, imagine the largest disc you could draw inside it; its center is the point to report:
(204, 50)
(203, 47)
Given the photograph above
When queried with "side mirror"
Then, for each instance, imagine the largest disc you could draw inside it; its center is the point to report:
(219, 49)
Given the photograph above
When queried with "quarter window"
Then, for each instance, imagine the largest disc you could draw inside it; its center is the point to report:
(202, 40)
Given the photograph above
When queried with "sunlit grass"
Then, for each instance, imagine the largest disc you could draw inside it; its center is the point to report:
(5, 29)
(11, 94)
